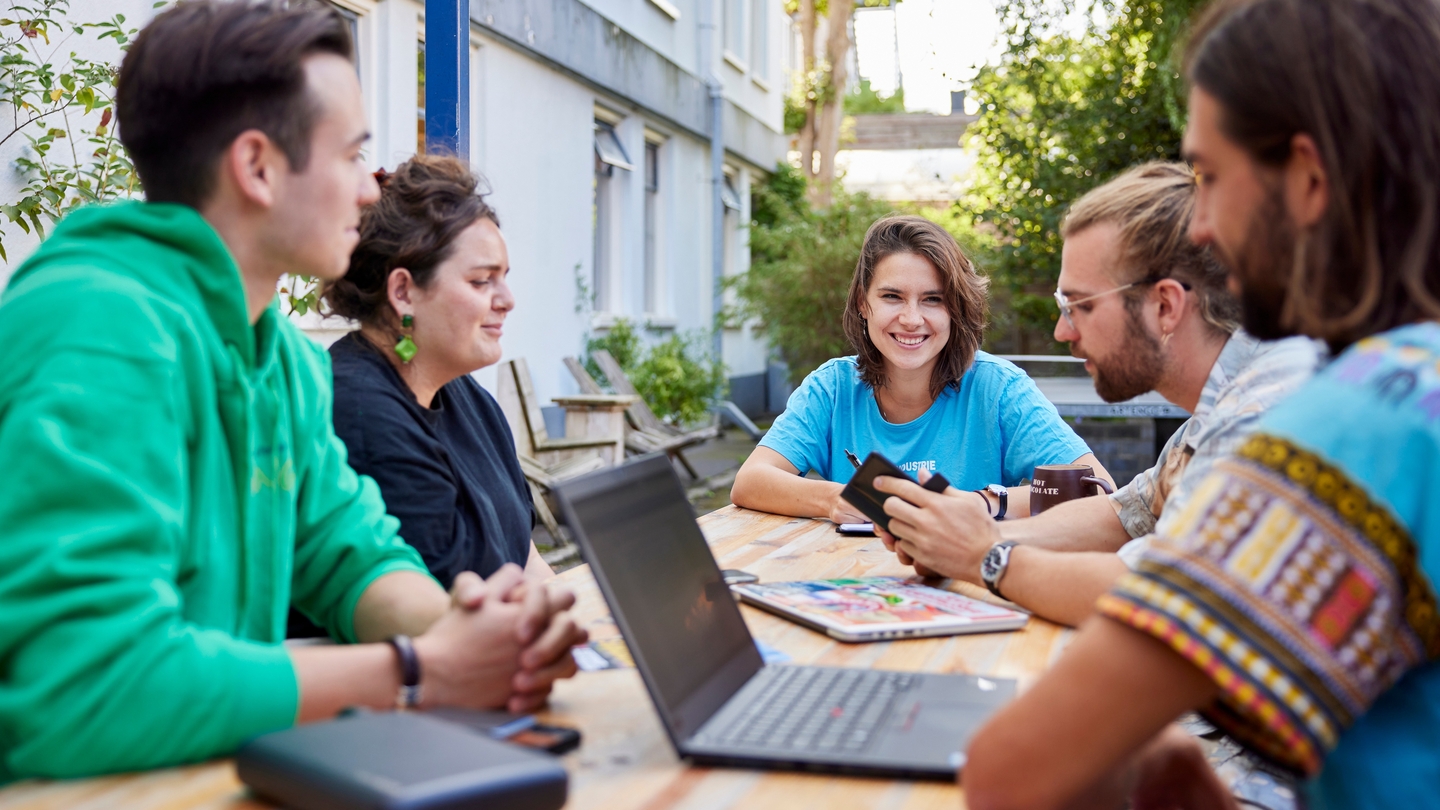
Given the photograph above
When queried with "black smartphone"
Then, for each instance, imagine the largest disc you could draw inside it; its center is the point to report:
(517, 729)
(862, 494)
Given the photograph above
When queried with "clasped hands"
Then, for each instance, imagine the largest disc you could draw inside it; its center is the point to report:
(940, 533)
(503, 643)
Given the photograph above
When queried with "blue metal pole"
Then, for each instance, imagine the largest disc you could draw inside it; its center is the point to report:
(447, 77)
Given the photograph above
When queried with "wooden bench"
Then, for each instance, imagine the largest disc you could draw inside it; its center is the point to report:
(594, 435)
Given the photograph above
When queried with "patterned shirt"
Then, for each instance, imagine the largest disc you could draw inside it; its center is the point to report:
(1300, 576)
(1248, 379)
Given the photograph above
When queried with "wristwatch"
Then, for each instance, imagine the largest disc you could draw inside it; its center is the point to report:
(992, 568)
(1002, 496)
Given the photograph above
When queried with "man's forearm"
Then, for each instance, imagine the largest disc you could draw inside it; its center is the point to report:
(1111, 692)
(1084, 524)
(334, 677)
(401, 602)
(1059, 586)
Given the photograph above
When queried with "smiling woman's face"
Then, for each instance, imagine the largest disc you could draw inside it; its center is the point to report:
(905, 312)
(459, 317)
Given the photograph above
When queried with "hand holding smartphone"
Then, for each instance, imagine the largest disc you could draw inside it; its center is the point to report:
(862, 494)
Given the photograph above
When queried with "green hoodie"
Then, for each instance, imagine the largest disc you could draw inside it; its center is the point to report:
(169, 483)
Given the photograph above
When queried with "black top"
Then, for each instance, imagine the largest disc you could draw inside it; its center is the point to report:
(448, 472)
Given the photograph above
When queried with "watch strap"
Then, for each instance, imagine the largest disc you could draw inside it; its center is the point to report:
(1003, 496)
(408, 696)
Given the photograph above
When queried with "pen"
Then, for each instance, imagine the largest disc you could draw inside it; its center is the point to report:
(855, 462)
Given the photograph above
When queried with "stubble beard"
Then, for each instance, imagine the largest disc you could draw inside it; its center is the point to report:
(1133, 371)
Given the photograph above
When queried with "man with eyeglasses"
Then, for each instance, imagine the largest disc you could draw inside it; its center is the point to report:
(1149, 311)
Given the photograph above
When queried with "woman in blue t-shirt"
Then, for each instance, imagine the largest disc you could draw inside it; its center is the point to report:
(917, 391)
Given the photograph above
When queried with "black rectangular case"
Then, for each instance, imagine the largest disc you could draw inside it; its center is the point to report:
(397, 761)
(861, 491)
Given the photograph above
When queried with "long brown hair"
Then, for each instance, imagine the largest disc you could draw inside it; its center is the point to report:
(963, 292)
(1362, 78)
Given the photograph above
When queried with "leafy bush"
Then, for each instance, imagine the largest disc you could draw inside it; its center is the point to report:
(801, 263)
(677, 377)
(72, 158)
(1061, 114)
(623, 343)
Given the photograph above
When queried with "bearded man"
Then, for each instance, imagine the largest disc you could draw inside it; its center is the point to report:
(1293, 602)
(1149, 310)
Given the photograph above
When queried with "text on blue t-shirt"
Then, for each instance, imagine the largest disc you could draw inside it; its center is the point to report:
(994, 428)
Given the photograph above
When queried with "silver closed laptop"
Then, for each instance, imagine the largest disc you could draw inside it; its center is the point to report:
(719, 702)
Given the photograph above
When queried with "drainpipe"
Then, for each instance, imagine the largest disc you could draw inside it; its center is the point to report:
(447, 77)
(707, 51)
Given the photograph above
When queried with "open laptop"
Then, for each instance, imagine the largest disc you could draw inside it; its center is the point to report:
(720, 704)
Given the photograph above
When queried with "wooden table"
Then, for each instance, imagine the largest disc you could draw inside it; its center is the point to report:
(626, 762)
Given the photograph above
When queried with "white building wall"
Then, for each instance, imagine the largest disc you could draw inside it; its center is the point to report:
(537, 127)
(532, 138)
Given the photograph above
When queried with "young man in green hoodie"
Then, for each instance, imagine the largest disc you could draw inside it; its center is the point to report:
(169, 479)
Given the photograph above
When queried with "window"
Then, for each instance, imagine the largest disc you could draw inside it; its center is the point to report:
(652, 228)
(734, 11)
(728, 196)
(760, 40)
(609, 156)
(730, 199)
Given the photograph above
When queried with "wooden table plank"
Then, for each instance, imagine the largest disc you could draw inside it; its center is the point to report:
(626, 761)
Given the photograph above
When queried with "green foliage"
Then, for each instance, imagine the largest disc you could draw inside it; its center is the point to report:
(677, 377)
(863, 100)
(1060, 115)
(73, 158)
(794, 113)
(679, 380)
(623, 343)
(801, 263)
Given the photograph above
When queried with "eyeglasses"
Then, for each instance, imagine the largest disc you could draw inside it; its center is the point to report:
(1066, 304)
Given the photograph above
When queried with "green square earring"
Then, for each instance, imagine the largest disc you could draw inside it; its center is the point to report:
(406, 348)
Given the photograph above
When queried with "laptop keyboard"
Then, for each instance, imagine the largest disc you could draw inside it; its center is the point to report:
(817, 709)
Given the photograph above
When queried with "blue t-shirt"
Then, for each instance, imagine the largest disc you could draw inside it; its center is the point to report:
(995, 428)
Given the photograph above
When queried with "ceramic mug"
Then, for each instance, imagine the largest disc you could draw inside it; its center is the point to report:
(1057, 483)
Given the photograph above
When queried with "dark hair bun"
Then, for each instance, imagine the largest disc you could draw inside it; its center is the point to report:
(424, 204)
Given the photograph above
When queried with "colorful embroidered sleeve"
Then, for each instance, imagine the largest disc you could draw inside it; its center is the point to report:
(1294, 590)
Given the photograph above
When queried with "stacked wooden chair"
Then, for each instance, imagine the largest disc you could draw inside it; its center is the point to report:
(647, 434)
(595, 436)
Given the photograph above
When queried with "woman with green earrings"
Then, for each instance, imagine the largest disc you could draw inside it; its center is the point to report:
(427, 284)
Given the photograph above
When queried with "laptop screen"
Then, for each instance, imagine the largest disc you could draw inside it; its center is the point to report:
(684, 629)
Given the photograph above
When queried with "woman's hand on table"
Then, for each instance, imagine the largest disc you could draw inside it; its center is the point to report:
(841, 511)
(947, 533)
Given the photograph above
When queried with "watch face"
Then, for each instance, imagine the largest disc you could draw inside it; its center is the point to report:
(990, 567)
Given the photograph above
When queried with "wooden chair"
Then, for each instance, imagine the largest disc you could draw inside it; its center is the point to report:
(595, 436)
(647, 434)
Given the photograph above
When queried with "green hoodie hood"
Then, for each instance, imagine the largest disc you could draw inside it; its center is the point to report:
(167, 248)
(169, 484)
